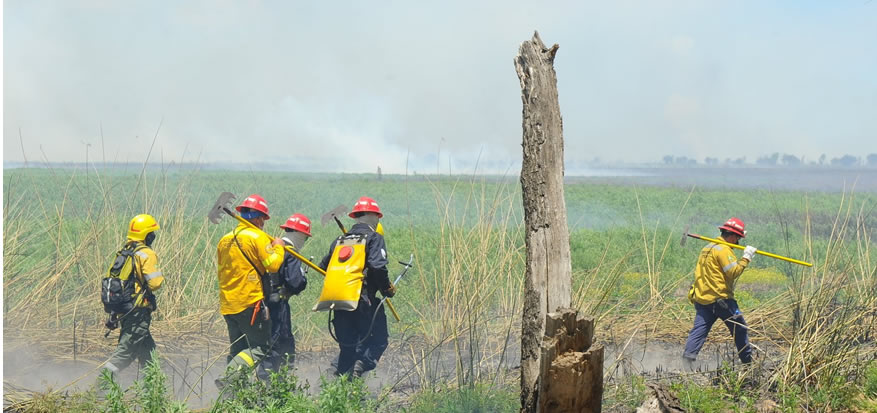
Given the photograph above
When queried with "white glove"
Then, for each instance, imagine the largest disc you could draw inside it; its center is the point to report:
(749, 252)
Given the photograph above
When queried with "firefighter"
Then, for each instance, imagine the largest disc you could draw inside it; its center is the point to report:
(362, 333)
(712, 293)
(244, 257)
(288, 281)
(135, 340)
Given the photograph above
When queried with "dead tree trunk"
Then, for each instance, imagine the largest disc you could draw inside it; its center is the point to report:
(548, 271)
(547, 282)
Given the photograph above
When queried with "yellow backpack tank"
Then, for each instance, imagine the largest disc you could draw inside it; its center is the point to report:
(343, 283)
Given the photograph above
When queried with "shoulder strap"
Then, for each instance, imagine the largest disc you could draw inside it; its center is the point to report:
(138, 274)
(235, 237)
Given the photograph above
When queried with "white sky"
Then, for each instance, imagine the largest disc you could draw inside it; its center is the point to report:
(349, 85)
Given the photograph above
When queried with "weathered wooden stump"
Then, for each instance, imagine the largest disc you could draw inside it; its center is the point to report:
(572, 370)
(559, 371)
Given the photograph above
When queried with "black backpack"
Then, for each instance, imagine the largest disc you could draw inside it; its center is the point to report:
(117, 288)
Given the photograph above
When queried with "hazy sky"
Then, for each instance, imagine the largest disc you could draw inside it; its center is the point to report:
(347, 86)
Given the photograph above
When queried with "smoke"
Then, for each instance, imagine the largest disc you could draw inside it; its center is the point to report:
(349, 86)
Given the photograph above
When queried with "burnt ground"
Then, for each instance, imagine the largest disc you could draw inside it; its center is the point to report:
(402, 370)
(27, 369)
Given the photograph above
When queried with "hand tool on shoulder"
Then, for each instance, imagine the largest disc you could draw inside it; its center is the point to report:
(686, 234)
(222, 207)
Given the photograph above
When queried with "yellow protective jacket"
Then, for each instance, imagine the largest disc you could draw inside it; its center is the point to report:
(716, 272)
(147, 271)
(239, 283)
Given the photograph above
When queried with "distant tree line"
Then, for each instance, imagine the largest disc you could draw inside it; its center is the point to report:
(777, 159)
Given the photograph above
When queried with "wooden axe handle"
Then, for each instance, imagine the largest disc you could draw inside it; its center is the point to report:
(299, 256)
(340, 225)
(286, 247)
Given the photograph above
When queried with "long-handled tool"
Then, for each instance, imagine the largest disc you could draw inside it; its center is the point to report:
(221, 207)
(384, 300)
(719, 241)
(407, 265)
(341, 210)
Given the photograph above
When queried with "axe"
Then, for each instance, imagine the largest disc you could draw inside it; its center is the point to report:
(686, 234)
(221, 207)
(339, 210)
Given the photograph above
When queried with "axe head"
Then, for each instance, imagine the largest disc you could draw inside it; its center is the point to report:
(684, 236)
(338, 211)
(220, 207)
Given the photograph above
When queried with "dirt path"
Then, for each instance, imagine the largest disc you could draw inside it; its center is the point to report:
(402, 369)
(28, 368)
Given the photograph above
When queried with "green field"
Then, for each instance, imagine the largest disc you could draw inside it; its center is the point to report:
(61, 228)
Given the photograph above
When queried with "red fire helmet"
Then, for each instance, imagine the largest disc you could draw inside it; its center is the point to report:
(365, 204)
(298, 222)
(736, 226)
(255, 202)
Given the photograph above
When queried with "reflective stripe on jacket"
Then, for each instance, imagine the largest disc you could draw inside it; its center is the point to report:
(148, 272)
(716, 272)
(239, 283)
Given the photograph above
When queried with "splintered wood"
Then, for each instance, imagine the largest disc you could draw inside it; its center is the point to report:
(559, 371)
(572, 371)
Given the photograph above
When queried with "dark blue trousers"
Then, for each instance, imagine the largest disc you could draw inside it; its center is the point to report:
(282, 342)
(705, 318)
(354, 339)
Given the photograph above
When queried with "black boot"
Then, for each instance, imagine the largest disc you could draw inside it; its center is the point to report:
(358, 368)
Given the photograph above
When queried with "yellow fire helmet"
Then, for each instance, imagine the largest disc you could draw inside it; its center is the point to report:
(140, 226)
(343, 282)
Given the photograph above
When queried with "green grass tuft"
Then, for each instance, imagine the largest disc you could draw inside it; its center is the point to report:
(475, 398)
(763, 276)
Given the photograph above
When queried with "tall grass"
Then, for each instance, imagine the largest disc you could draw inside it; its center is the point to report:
(834, 309)
(473, 290)
(460, 305)
(56, 250)
(817, 327)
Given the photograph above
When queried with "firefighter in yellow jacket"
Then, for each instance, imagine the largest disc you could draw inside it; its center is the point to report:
(712, 294)
(244, 257)
(134, 311)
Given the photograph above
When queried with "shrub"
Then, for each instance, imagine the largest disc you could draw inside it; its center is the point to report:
(280, 393)
(871, 380)
(343, 395)
(114, 397)
(151, 390)
(477, 398)
(631, 392)
(695, 398)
